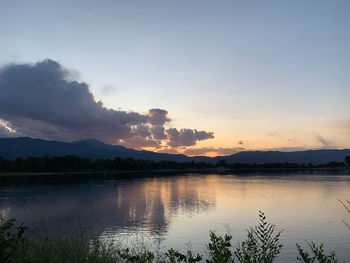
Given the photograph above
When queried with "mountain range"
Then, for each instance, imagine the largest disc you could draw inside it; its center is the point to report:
(12, 148)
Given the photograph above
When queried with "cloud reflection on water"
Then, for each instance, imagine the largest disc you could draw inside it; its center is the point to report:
(146, 205)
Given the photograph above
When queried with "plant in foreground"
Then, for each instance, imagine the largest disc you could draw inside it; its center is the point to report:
(171, 256)
(10, 241)
(262, 244)
(144, 257)
(174, 256)
(346, 205)
(318, 254)
(219, 249)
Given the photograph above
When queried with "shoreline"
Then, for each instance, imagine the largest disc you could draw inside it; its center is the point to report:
(188, 170)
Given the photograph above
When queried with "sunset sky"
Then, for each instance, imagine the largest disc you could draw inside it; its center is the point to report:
(195, 77)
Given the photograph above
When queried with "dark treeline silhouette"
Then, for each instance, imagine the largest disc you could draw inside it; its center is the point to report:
(72, 163)
(236, 166)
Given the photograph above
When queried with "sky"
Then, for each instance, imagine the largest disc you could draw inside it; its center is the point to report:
(196, 77)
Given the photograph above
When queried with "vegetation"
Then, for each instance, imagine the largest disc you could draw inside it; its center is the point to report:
(262, 243)
(318, 254)
(261, 246)
(346, 205)
(72, 163)
(347, 160)
(10, 240)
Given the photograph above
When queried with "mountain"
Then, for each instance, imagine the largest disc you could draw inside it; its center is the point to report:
(11, 148)
(310, 156)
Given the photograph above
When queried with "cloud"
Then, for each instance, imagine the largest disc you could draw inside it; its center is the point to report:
(241, 142)
(138, 142)
(186, 137)
(6, 130)
(158, 116)
(43, 100)
(141, 131)
(157, 132)
(218, 151)
(322, 140)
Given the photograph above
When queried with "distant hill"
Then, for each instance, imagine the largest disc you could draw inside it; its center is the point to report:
(11, 148)
(309, 156)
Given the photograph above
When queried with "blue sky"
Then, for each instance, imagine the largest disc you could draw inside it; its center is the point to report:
(268, 74)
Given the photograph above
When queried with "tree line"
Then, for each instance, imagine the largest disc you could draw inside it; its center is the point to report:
(72, 163)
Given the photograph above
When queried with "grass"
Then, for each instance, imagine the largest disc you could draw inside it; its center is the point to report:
(262, 245)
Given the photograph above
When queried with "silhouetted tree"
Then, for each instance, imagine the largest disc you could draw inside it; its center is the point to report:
(72, 163)
(221, 163)
(347, 160)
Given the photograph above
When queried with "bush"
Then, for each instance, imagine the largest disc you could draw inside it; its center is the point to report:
(219, 249)
(318, 254)
(10, 240)
(262, 244)
(346, 205)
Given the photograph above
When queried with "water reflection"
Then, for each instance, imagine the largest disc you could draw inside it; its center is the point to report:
(185, 207)
(146, 205)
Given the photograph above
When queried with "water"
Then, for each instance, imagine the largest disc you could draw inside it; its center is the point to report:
(183, 208)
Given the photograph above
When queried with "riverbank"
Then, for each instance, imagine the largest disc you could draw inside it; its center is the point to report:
(70, 164)
(165, 171)
(184, 207)
(261, 245)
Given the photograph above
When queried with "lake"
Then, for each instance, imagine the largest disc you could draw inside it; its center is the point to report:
(181, 209)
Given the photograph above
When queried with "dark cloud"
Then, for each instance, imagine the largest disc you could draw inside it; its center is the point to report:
(158, 132)
(218, 151)
(202, 135)
(186, 137)
(44, 101)
(158, 116)
(141, 131)
(241, 142)
(38, 99)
